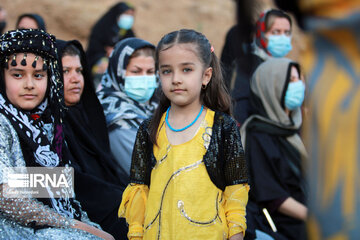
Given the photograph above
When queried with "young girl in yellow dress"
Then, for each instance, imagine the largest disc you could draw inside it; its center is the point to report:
(188, 174)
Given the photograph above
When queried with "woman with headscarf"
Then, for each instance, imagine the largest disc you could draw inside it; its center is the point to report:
(127, 96)
(30, 20)
(31, 113)
(98, 186)
(116, 24)
(272, 39)
(273, 34)
(274, 152)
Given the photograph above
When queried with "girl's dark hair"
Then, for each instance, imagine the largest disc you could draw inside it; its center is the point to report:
(275, 13)
(215, 96)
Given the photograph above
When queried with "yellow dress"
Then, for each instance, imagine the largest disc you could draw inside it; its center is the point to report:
(183, 202)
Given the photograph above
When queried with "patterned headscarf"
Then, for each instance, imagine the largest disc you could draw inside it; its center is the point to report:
(260, 38)
(261, 42)
(33, 127)
(41, 44)
(119, 108)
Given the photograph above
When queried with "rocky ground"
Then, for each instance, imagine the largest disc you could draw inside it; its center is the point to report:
(73, 19)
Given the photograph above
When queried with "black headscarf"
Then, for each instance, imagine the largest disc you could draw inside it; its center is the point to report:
(106, 32)
(85, 127)
(36, 148)
(97, 186)
(37, 18)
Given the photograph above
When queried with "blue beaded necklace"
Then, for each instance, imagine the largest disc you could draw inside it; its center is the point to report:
(186, 127)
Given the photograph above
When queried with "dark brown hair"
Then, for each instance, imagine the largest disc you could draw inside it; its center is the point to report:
(71, 50)
(215, 96)
(145, 51)
(272, 15)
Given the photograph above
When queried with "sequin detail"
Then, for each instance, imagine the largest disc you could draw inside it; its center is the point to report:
(158, 215)
(181, 207)
(168, 148)
(207, 137)
(224, 158)
(19, 216)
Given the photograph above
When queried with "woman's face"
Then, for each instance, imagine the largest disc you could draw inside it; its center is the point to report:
(73, 79)
(295, 92)
(129, 12)
(27, 22)
(140, 65)
(281, 26)
(294, 74)
(140, 80)
(26, 86)
(126, 19)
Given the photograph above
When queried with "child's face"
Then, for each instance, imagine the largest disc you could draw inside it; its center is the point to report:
(182, 74)
(73, 79)
(25, 86)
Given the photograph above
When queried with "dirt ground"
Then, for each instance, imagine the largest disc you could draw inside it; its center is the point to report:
(73, 19)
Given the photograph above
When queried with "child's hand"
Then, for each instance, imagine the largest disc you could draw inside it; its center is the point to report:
(238, 236)
(93, 230)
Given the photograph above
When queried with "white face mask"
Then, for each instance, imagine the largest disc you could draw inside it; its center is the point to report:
(126, 21)
(140, 88)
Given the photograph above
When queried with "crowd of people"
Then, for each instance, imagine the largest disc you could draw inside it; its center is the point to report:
(166, 141)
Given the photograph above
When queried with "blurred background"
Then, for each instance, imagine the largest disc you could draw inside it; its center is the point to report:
(73, 19)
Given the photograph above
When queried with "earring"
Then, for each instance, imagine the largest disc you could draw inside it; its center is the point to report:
(203, 87)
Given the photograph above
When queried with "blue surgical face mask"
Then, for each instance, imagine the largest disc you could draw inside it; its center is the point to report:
(279, 45)
(140, 88)
(294, 95)
(126, 21)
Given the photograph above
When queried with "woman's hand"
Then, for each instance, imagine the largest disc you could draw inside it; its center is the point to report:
(93, 230)
(238, 236)
(294, 209)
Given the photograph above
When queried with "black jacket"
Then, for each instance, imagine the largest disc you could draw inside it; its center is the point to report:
(97, 184)
(224, 159)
